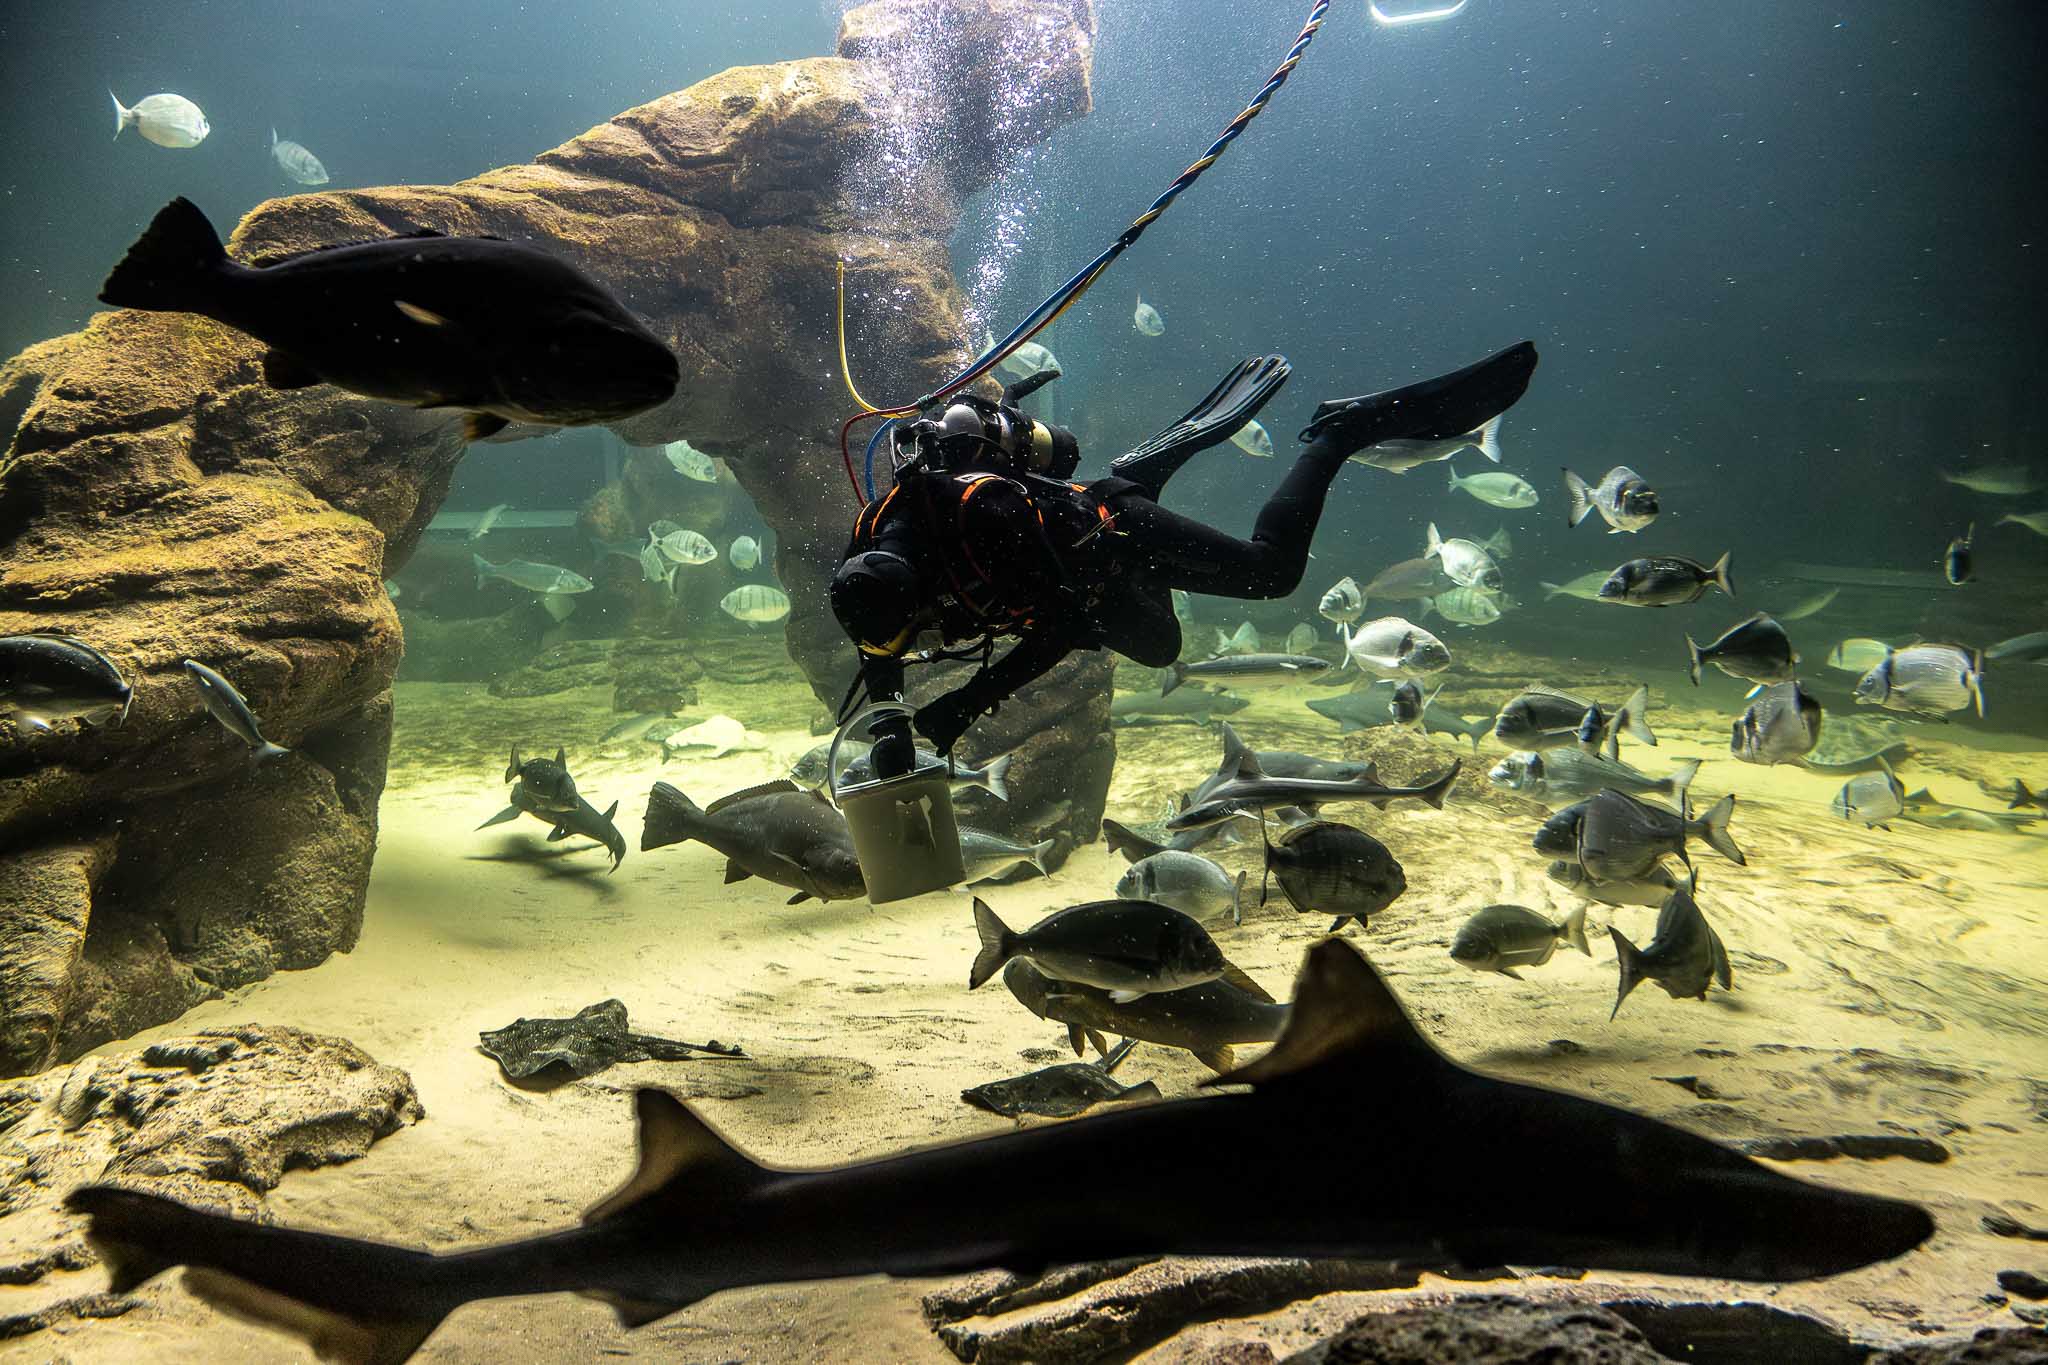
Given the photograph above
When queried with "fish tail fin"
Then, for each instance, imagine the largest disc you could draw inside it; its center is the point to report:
(1177, 673)
(1436, 543)
(2021, 796)
(1975, 680)
(1683, 774)
(1550, 590)
(1039, 852)
(1237, 897)
(1630, 959)
(123, 115)
(998, 945)
(483, 573)
(268, 753)
(277, 1277)
(1454, 478)
(1489, 437)
(172, 265)
(1714, 829)
(1632, 719)
(998, 776)
(1575, 929)
(672, 818)
(1344, 638)
(1692, 665)
(1434, 793)
(1577, 494)
(1720, 577)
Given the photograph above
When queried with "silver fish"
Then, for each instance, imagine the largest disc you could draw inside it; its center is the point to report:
(2000, 480)
(685, 546)
(2037, 522)
(744, 553)
(1926, 680)
(1496, 488)
(1344, 602)
(1246, 672)
(755, 603)
(690, 462)
(1651, 889)
(2031, 648)
(1467, 606)
(1501, 938)
(988, 855)
(296, 162)
(1188, 882)
(167, 120)
(1465, 562)
(1563, 775)
(1394, 647)
(520, 573)
(1146, 318)
(1253, 439)
(1193, 703)
(1586, 586)
(231, 709)
(1860, 654)
(809, 771)
(1780, 726)
(1811, 605)
(1410, 580)
(1401, 454)
(1622, 498)
(1872, 798)
(489, 519)
(1301, 639)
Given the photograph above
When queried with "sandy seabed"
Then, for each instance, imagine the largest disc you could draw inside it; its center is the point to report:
(1885, 983)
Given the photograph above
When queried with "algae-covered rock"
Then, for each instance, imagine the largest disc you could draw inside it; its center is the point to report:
(160, 501)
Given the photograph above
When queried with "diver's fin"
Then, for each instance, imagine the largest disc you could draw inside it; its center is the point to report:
(673, 1143)
(1214, 420)
(1455, 404)
(1343, 1015)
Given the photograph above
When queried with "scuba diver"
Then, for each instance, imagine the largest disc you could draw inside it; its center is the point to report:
(983, 536)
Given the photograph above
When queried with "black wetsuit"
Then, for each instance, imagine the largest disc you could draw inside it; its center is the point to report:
(1070, 566)
(1095, 573)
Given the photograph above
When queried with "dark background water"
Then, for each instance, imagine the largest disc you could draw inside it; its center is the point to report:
(1785, 260)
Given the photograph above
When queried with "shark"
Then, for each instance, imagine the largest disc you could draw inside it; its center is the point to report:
(1395, 1152)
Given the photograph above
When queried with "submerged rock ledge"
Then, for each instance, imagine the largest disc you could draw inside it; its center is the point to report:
(157, 500)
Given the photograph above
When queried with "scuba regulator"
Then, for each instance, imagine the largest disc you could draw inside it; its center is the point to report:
(971, 432)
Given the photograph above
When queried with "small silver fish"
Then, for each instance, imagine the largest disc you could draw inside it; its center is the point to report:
(1465, 562)
(1403, 453)
(231, 709)
(690, 462)
(1622, 498)
(1343, 603)
(1872, 798)
(520, 573)
(489, 519)
(167, 120)
(1928, 680)
(1496, 488)
(1146, 318)
(755, 603)
(296, 161)
(744, 553)
(1781, 725)
(1253, 439)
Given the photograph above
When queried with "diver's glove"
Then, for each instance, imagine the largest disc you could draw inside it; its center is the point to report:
(943, 721)
(895, 752)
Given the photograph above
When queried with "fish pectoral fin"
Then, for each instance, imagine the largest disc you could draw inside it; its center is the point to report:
(1220, 1059)
(333, 1334)
(481, 426)
(798, 899)
(1343, 1015)
(509, 813)
(674, 1144)
(425, 317)
(1122, 997)
(283, 370)
(1078, 1038)
(1234, 975)
(735, 873)
(1509, 972)
(558, 832)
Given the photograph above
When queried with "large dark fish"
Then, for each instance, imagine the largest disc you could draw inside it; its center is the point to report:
(1756, 650)
(1126, 947)
(776, 831)
(1665, 581)
(1393, 1152)
(1501, 938)
(1277, 763)
(1683, 957)
(546, 780)
(1332, 869)
(1205, 1020)
(1621, 838)
(1545, 718)
(45, 678)
(502, 330)
(1245, 672)
(1366, 708)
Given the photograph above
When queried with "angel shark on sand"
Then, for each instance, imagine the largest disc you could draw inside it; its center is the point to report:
(1394, 1152)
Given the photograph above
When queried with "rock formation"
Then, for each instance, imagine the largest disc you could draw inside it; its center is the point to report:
(214, 1119)
(157, 500)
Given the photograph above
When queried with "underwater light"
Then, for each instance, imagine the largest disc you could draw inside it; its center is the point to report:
(1401, 16)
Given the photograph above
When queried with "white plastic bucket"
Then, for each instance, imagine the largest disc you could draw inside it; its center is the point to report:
(903, 828)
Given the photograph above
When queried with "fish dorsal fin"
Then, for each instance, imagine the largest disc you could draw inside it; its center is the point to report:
(561, 757)
(1234, 975)
(674, 1143)
(1343, 1016)
(1559, 693)
(610, 812)
(1234, 752)
(780, 784)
